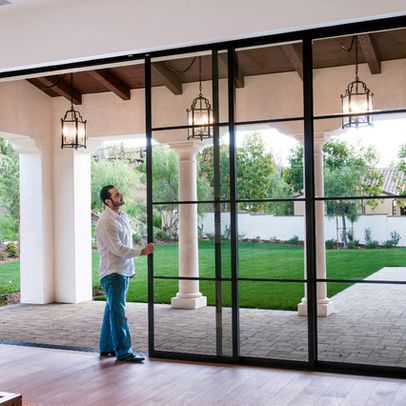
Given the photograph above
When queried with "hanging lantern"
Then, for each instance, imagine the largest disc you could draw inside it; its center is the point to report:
(357, 99)
(200, 114)
(73, 127)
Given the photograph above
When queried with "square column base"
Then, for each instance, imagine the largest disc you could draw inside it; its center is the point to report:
(188, 303)
(323, 309)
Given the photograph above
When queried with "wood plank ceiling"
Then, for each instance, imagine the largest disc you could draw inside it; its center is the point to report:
(373, 49)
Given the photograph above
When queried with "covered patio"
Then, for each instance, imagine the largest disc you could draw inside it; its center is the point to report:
(292, 85)
(369, 327)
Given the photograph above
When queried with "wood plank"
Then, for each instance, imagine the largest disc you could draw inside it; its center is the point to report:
(110, 82)
(57, 377)
(294, 57)
(168, 78)
(370, 53)
(61, 88)
(223, 68)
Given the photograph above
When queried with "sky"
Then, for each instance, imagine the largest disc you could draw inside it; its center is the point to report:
(385, 135)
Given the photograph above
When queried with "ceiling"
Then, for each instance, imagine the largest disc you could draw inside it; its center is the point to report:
(374, 48)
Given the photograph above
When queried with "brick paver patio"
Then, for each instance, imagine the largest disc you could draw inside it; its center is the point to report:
(369, 326)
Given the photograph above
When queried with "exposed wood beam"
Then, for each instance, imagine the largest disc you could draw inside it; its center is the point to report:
(294, 57)
(370, 52)
(169, 79)
(61, 88)
(223, 67)
(112, 83)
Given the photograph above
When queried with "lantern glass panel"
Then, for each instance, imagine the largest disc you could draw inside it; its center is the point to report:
(69, 132)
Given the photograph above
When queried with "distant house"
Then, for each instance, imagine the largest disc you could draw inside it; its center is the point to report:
(393, 179)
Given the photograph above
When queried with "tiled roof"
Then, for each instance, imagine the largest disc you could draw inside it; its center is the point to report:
(392, 180)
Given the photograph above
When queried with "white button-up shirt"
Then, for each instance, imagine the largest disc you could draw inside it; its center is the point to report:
(115, 245)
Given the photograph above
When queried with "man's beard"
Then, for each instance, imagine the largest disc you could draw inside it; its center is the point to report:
(118, 204)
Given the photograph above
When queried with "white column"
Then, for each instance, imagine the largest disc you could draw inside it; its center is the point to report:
(73, 261)
(36, 232)
(324, 305)
(189, 296)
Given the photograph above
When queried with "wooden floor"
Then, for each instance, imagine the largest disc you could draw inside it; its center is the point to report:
(57, 377)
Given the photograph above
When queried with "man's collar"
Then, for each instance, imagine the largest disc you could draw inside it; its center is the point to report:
(113, 213)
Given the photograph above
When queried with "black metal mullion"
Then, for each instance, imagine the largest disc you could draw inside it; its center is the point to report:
(233, 206)
(310, 201)
(217, 212)
(148, 122)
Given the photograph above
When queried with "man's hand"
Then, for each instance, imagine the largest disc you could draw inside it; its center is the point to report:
(148, 249)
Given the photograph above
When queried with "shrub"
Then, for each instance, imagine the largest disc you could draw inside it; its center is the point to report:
(352, 244)
(2, 255)
(367, 235)
(8, 228)
(294, 240)
(394, 240)
(388, 244)
(372, 244)
(395, 237)
(227, 233)
(157, 220)
(12, 250)
(163, 235)
(331, 244)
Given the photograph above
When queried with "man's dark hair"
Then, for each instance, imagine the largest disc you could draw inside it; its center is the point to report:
(105, 193)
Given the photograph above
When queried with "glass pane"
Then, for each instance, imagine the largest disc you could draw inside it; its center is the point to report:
(271, 245)
(378, 59)
(168, 229)
(270, 324)
(367, 325)
(270, 161)
(206, 330)
(173, 154)
(361, 162)
(179, 80)
(359, 244)
(269, 83)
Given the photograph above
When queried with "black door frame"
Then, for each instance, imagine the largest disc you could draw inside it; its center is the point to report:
(306, 37)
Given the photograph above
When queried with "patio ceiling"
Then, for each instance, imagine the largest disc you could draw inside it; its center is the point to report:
(374, 48)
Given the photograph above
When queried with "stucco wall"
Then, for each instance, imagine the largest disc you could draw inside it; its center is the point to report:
(285, 227)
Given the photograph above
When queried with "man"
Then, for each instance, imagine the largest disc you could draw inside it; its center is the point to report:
(115, 246)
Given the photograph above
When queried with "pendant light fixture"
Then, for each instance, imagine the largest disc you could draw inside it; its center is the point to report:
(200, 114)
(357, 98)
(73, 126)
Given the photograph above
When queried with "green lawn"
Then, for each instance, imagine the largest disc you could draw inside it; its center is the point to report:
(255, 260)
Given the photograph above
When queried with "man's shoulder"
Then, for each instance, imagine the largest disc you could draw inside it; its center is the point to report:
(104, 218)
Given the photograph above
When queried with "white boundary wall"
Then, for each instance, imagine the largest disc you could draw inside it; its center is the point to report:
(267, 226)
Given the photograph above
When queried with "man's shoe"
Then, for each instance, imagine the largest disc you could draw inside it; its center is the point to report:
(134, 357)
(107, 354)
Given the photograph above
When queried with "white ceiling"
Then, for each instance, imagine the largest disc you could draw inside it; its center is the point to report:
(46, 32)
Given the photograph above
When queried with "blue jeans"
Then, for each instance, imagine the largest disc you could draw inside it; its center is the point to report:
(115, 334)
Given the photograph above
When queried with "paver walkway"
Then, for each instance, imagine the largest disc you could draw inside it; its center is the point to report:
(369, 326)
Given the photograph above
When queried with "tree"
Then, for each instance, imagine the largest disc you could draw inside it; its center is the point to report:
(257, 175)
(127, 179)
(402, 169)
(206, 171)
(9, 191)
(279, 189)
(293, 174)
(347, 172)
(165, 186)
(254, 169)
